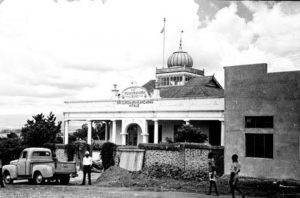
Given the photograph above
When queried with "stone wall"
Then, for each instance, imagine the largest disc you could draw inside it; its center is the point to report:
(187, 156)
(60, 152)
(175, 158)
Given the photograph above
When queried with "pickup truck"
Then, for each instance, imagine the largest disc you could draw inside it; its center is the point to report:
(38, 165)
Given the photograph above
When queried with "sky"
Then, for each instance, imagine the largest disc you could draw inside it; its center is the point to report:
(53, 51)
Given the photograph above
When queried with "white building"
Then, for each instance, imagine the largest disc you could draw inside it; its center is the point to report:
(153, 112)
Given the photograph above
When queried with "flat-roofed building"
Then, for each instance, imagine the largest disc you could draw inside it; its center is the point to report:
(262, 121)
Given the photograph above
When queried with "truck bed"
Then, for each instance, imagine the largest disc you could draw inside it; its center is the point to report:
(65, 167)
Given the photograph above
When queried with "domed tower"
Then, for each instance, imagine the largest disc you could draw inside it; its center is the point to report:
(179, 70)
(180, 59)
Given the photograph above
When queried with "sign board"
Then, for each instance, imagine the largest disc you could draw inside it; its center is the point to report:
(135, 93)
(134, 96)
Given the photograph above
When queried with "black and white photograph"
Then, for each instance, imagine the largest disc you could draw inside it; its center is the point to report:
(149, 98)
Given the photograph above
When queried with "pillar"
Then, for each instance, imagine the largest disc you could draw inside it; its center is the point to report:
(123, 133)
(222, 134)
(187, 122)
(155, 131)
(114, 131)
(106, 132)
(89, 134)
(145, 133)
(66, 134)
(123, 139)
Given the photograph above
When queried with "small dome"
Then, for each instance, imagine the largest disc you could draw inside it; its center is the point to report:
(180, 58)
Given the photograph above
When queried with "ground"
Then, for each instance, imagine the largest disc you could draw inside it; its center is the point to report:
(100, 188)
(72, 191)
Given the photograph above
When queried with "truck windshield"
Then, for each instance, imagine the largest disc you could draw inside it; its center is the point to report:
(41, 154)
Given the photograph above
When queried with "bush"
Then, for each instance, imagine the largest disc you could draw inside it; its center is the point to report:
(107, 154)
(169, 140)
(70, 149)
(189, 133)
(50, 146)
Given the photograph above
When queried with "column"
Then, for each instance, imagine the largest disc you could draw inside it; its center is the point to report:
(123, 133)
(145, 133)
(106, 132)
(89, 134)
(123, 139)
(114, 131)
(66, 135)
(155, 131)
(222, 134)
(187, 122)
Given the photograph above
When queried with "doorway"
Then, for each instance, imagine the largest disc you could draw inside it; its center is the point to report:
(132, 135)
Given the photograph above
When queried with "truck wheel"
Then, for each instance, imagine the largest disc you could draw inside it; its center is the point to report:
(38, 178)
(64, 179)
(7, 178)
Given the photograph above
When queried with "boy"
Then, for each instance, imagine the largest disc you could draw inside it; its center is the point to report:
(234, 176)
(212, 173)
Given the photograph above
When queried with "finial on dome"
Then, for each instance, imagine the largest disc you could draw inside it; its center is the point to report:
(180, 43)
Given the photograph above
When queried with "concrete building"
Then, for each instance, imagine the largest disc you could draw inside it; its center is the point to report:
(153, 112)
(262, 121)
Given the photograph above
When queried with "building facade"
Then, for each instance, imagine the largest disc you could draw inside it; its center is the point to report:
(152, 113)
(262, 121)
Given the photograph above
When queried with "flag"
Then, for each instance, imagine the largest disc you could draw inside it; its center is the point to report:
(163, 29)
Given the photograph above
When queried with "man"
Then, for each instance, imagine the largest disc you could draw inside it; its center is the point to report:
(1, 177)
(87, 165)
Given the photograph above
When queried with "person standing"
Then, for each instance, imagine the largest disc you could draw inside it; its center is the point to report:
(87, 165)
(212, 173)
(1, 177)
(234, 176)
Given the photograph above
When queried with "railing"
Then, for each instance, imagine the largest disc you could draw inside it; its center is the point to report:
(180, 69)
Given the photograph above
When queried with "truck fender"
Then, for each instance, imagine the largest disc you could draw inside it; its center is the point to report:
(46, 170)
(12, 169)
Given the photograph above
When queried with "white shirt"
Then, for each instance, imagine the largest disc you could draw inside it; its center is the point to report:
(87, 161)
(235, 168)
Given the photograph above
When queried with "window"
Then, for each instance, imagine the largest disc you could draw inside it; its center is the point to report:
(259, 145)
(24, 154)
(41, 154)
(176, 80)
(259, 122)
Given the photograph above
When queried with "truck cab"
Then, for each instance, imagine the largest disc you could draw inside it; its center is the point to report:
(38, 165)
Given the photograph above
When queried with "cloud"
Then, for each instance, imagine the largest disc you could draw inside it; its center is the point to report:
(76, 50)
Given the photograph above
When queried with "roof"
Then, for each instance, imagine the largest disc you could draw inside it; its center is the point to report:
(206, 86)
(32, 149)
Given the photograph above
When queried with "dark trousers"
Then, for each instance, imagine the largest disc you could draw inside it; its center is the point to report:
(233, 187)
(86, 170)
(213, 183)
(1, 178)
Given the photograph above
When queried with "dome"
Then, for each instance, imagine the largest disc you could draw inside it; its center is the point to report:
(180, 58)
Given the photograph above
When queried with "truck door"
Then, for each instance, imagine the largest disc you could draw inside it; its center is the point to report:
(21, 166)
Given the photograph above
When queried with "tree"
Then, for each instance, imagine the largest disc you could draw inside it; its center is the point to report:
(40, 130)
(189, 133)
(98, 131)
(107, 154)
(10, 149)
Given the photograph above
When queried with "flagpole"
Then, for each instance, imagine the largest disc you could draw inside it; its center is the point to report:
(164, 39)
